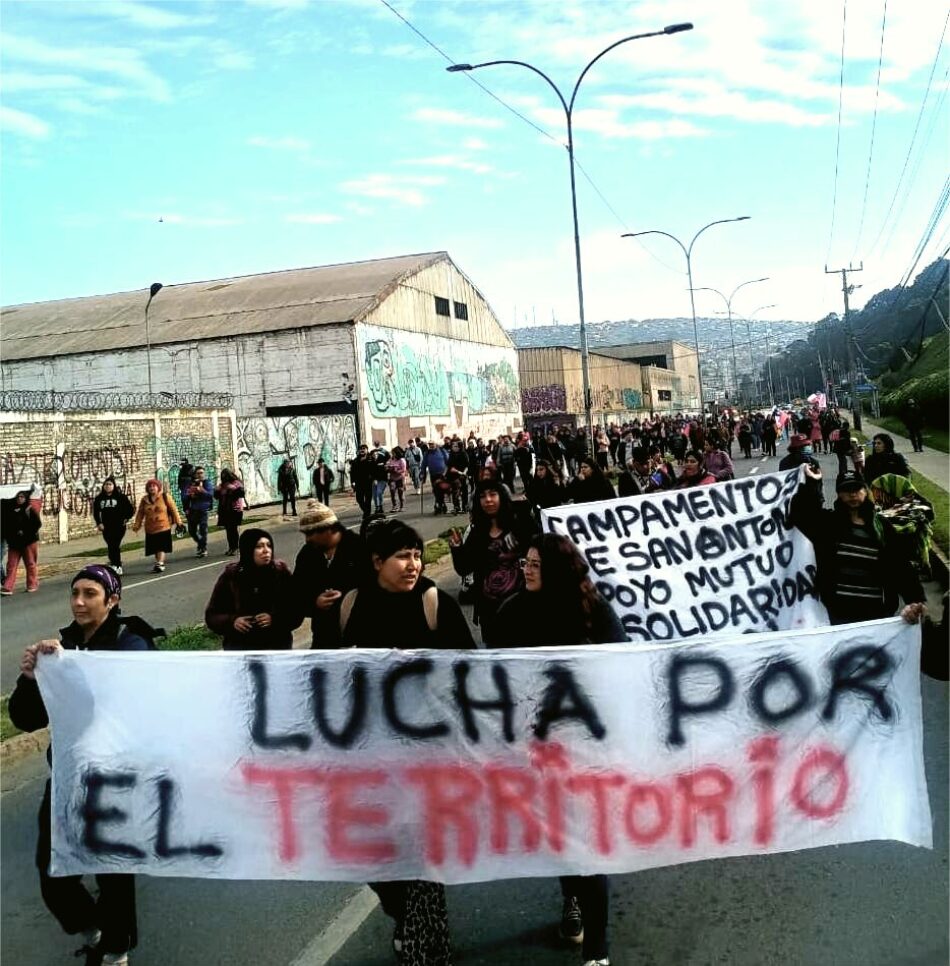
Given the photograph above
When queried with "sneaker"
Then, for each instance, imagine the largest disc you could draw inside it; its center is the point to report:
(118, 571)
(158, 569)
(203, 553)
(597, 962)
(572, 925)
(6, 593)
(122, 959)
(32, 590)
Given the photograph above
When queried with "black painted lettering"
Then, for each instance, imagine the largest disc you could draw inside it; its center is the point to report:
(717, 697)
(565, 700)
(259, 732)
(163, 848)
(94, 813)
(469, 705)
(864, 671)
(779, 670)
(599, 560)
(418, 666)
(356, 689)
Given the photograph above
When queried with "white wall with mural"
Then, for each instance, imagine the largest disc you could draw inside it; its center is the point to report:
(263, 443)
(432, 382)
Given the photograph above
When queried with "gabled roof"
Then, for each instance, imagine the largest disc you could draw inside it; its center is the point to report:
(297, 298)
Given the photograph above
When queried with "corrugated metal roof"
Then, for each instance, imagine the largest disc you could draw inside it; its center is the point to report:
(297, 298)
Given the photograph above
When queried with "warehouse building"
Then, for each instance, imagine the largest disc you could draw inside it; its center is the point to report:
(670, 373)
(552, 388)
(315, 359)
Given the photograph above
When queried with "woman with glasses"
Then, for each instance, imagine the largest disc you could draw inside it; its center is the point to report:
(560, 606)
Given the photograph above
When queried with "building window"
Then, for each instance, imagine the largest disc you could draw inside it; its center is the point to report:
(461, 311)
(441, 306)
(664, 395)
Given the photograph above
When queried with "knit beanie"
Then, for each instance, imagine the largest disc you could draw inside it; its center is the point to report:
(317, 516)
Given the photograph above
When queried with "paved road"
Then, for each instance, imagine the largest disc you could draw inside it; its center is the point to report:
(876, 904)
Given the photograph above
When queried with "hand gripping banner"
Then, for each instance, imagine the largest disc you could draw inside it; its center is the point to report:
(706, 560)
(465, 766)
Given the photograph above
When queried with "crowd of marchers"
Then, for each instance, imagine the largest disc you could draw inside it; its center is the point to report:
(366, 586)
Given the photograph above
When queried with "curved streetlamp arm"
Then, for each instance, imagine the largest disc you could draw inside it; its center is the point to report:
(531, 67)
(751, 281)
(655, 231)
(706, 288)
(721, 221)
(607, 50)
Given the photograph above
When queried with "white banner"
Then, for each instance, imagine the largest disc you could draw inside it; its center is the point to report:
(459, 766)
(701, 561)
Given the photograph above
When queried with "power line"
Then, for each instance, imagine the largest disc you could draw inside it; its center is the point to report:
(530, 123)
(877, 91)
(834, 197)
(913, 138)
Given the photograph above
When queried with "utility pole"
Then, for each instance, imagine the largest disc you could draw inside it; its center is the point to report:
(846, 290)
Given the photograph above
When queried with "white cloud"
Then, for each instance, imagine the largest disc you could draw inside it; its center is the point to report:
(287, 143)
(437, 115)
(475, 144)
(144, 14)
(123, 63)
(450, 161)
(609, 124)
(404, 189)
(316, 219)
(20, 122)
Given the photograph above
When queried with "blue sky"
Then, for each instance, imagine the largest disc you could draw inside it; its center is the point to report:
(184, 141)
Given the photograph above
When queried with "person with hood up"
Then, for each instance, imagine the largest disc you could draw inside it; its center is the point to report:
(21, 532)
(231, 505)
(157, 511)
(112, 510)
(107, 923)
(884, 460)
(253, 605)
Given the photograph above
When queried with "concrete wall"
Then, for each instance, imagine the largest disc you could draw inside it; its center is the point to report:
(552, 385)
(70, 454)
(681, 364)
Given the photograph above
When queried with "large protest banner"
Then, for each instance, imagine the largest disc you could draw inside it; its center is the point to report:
(465, 766)
(701, 561)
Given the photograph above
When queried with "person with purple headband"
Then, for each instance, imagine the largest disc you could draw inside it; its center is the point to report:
(107, 923)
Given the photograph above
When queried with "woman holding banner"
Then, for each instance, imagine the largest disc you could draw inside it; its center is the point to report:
(397, 607)
(107, 923)
(561, 607)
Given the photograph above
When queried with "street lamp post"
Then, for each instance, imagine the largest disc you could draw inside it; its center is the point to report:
(154, 289)
(732, 330)
(569, 115)
(688, 252)
(748, 329)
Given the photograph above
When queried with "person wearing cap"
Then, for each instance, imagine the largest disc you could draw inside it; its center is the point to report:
(253, 606)
(799, 451)
(107, 923)
(330, 564)
(861, 575)
(21, 532)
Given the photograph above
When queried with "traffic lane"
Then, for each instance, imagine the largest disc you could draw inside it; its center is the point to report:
(180, 920)
(868, 904)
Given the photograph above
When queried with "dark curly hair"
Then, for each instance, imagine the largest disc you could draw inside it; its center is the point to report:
(565, 581)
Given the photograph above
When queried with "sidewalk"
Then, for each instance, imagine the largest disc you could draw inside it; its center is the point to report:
(931, 463)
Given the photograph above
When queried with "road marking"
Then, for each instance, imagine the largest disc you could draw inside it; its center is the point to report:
(177, 573)
(754, 469)
(334, 937)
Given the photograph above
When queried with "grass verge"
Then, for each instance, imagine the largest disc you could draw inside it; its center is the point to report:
(7, 730)
(941, 504)
(190, 637)
(435, 550)
(139, 544)
(934, 437)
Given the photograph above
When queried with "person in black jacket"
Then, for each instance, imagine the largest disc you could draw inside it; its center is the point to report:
(331, 563)
(544, 489)
(21, 532)
(112, 510)
(590, 484)
(252, 605)
(107, 923)
(883, 459)
(861, 574)
(561, 607)
(396, 606)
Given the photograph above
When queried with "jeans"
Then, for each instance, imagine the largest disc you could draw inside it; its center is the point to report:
(198, 528)
(292, 496)
(379, 489)
(28, 556)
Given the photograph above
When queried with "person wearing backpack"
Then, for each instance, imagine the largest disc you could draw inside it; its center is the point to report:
(395, 606)
(157, 511)
(106, 923)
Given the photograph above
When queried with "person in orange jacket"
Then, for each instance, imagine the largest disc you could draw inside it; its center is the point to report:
(158, 512)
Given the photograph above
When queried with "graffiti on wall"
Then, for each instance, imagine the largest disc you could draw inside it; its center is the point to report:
(413, 374)
(632, 399)
(72, 481)
(539, 400)
(265, 442)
